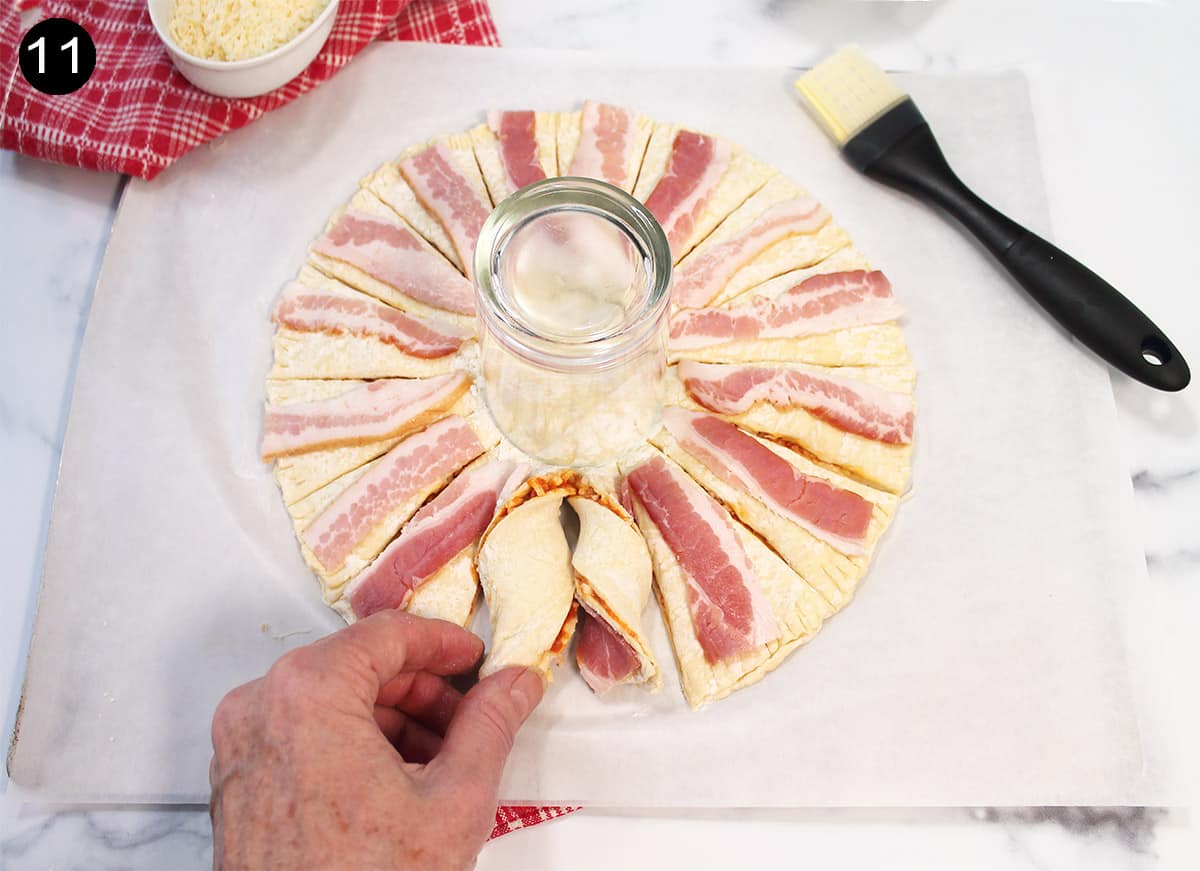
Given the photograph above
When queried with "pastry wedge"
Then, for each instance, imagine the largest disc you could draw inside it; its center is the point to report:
(836, 313)
(369, 248)
(824, 525)
(776, 230)
(514, 149)
(524, 566)
(445, 178)
(390, 187)
(429, 568)
(733, 608)
(858, 419)
(328, 330)
(612, 584)
(343, 526)
(371, 412)
(603, 141)
(302, 474)
(692, 181)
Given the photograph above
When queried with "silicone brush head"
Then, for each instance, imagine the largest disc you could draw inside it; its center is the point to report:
(846, 92)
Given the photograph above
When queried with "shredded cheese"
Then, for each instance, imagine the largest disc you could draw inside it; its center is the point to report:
(228, 30)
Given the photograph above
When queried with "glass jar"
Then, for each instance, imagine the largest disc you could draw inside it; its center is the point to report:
(572, 283)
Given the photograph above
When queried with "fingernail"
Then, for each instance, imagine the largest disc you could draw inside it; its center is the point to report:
(527, 691)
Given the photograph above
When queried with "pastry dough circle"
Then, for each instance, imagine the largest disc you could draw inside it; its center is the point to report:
(311, 366)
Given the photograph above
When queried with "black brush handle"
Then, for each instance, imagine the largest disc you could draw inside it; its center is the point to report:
(900, 150)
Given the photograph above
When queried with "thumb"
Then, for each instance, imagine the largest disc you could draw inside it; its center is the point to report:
(485, 725)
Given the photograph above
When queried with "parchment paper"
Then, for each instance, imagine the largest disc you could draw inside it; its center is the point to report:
(990, 657)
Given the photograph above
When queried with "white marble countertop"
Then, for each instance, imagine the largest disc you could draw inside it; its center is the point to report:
(1112, 84)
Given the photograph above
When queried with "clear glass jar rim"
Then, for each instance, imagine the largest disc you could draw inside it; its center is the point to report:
(641, 324)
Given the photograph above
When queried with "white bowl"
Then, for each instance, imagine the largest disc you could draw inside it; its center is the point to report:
(250, 77)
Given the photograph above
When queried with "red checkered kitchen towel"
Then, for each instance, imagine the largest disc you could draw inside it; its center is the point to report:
(137, 114)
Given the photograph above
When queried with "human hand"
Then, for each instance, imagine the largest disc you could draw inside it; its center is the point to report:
(354, 752)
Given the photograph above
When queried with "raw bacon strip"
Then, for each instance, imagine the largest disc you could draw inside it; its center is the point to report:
(370, 413)
(517, 132)
(405, 470)
(694, 169)
(444, 190)
(839, 517)
(705, 273)
(819, 304)
(729, 612)
(852, 406)
(450, 522)
(298, 476)
(392, 253)
(307, 310)
(511, 150)
(607, 144)
(605, 659)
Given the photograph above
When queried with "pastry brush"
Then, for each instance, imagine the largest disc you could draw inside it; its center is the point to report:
(882, 134)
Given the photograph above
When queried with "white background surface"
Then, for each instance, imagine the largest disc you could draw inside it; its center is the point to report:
(1117, 122)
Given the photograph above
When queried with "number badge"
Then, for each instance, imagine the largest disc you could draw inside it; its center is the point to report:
(57, 56)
